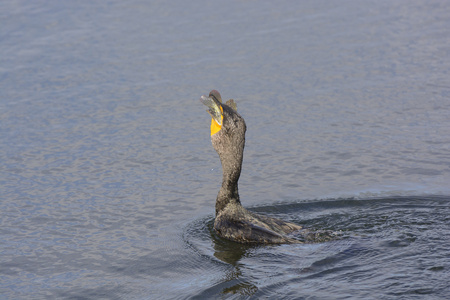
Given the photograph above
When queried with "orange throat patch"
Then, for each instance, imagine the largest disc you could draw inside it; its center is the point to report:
(215, 127)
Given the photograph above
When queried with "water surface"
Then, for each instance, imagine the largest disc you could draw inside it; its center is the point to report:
(108, 177)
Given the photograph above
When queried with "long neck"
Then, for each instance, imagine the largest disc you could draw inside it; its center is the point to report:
(231, 165)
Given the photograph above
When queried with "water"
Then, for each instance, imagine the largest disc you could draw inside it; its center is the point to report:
(108, 177)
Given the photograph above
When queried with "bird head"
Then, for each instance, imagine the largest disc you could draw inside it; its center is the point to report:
(227, 128)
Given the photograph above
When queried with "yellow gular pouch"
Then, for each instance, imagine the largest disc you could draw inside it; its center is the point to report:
(215, 127)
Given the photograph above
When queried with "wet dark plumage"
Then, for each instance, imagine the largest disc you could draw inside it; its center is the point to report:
(233, 221)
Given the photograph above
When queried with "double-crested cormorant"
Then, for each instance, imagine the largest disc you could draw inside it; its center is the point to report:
(233, 221)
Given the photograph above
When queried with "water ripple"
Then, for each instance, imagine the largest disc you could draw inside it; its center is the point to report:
(385, 243)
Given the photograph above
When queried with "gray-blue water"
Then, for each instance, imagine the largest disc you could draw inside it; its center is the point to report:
(108, 178)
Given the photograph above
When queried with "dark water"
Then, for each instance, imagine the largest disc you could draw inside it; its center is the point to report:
(108, 177)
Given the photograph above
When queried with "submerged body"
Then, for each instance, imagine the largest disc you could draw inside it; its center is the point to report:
(233, 221)
(236, 223)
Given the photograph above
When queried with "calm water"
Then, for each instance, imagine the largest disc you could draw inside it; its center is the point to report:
(108, 177)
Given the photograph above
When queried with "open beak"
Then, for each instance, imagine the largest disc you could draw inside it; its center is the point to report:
(214, 108)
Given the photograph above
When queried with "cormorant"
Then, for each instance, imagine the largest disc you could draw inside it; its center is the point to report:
(233, 221)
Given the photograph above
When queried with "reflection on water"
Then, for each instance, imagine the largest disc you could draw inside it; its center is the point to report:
(228, 251)
(231, 253)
